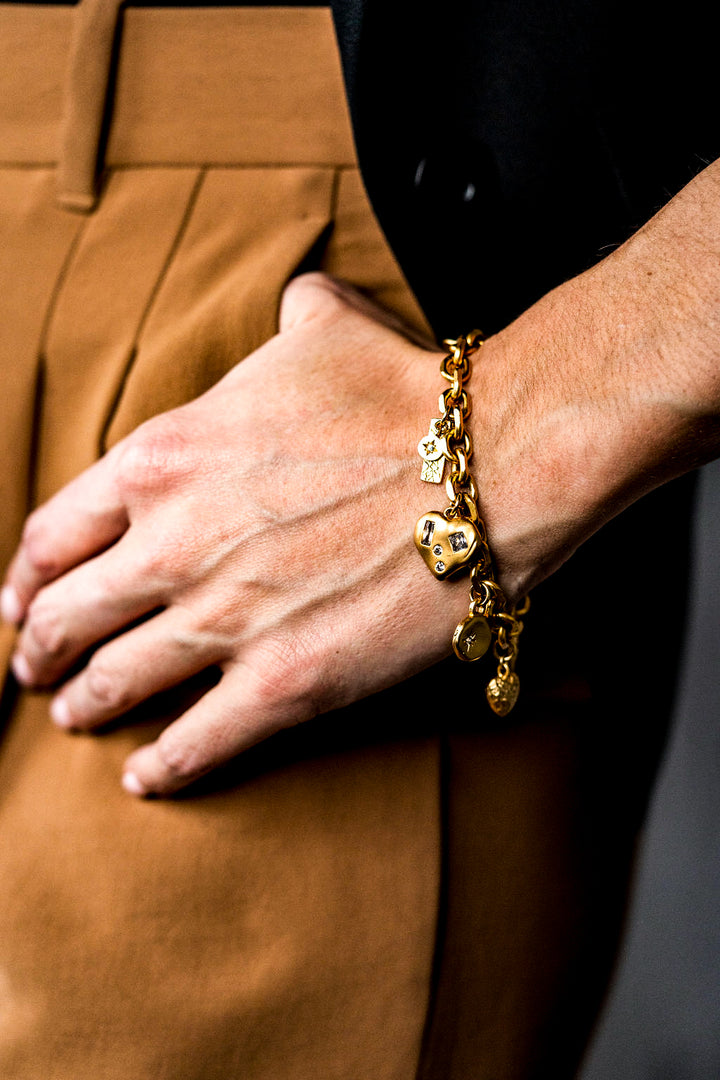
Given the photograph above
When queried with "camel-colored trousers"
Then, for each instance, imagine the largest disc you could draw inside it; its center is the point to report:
(380, 894)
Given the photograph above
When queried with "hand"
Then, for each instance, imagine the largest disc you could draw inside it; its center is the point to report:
(265, 528)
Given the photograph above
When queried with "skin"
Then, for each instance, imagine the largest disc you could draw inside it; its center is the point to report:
(266, 527)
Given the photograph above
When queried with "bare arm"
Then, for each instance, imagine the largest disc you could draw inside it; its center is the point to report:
(603, 390)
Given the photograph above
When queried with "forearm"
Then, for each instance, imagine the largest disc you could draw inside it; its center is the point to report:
(606, 388)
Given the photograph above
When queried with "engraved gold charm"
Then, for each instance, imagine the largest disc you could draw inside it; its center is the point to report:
(445, 545)
(456, 539)
(502, 693)
(432, 451)
(472, 638)
(432, 471)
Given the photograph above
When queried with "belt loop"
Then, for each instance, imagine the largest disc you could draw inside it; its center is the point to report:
(86, 102)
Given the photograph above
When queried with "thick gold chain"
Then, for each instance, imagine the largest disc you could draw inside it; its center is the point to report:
(490, 617)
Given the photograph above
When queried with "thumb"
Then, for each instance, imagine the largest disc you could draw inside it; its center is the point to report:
(314, 295)
(311, 296)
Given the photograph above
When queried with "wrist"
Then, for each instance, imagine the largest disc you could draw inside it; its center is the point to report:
(600, 392)
(537, 411)
(604, 389)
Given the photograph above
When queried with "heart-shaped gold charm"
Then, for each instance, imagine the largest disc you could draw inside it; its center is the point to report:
(445, 545)
(502, 693)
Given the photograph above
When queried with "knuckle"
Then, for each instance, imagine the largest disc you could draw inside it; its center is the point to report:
(165, 564)
(153, 562)
(287, 677)
(38, 547)
(159, 566)
(154, 455)
(105, 687)
(179, 759)
(48, 629)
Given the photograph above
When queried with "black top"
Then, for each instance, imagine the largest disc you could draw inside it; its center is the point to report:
(508, 146)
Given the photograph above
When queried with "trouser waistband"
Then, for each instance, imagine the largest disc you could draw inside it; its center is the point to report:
(97, 86)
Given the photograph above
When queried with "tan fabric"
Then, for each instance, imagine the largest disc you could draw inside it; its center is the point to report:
(280, 922)
(189, 88)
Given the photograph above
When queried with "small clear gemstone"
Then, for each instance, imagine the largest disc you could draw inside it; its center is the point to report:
(428, 530)
(437, 550)
(458, 541)
(440, 566)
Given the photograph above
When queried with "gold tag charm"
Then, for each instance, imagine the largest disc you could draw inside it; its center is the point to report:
(502, 693)
(445, 545)
(432, 451)
(472, 638)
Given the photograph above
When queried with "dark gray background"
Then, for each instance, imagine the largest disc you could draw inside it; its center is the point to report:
(662, 1020)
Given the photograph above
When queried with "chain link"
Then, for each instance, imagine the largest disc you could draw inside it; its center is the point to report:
(487, 598)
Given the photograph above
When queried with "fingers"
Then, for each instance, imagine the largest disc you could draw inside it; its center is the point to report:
(85, 606)
(150, 658)
(235, 715)
(80, 521)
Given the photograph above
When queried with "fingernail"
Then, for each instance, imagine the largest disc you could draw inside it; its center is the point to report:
(21, 669)
(10, 607)
(132, 784)
(60, 712)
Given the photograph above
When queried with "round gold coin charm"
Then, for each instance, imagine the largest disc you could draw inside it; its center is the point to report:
(502, 693)
(472, 638)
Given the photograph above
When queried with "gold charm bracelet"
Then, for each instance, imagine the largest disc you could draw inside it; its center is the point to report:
(455, 539)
